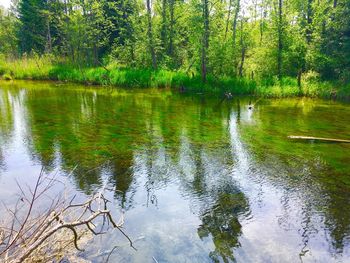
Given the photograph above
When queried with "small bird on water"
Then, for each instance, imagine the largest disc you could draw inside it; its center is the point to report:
(250, 106)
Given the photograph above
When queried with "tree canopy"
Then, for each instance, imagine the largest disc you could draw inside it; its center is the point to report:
(255, 39)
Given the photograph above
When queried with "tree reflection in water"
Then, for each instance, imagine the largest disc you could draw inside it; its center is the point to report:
(221, 222)
(143, 143)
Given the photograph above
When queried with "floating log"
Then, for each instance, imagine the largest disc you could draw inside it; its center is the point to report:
(318, 139)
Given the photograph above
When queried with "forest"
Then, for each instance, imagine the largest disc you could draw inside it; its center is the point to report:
(268, 47)
(174, 131)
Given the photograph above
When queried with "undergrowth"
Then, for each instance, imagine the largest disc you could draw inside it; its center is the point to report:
(46, 68)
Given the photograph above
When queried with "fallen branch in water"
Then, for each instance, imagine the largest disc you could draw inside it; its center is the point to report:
(318, 139)
(34, 235)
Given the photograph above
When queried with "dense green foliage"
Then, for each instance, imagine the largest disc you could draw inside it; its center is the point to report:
(270, 42)
(8, 38)
(43, 68)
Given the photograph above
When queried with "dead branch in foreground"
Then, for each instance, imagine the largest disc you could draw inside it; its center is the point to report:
(32, 235)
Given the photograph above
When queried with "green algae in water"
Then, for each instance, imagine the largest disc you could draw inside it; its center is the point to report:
(200, 181)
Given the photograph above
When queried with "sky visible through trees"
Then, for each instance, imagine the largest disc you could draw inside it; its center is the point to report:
(5, 3)
(257, 39)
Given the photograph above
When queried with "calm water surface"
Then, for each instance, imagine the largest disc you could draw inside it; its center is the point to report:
(197, 180)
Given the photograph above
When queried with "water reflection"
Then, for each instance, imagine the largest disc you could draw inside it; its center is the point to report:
(221, 222)
(6, 123)
(222, 175)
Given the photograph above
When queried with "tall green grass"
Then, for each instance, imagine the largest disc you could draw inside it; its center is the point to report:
(288, 87)
(47, 68)
(146, 78)
(36, 68)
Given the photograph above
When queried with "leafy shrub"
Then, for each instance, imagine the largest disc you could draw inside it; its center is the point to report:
(7, 76)
(311, 77)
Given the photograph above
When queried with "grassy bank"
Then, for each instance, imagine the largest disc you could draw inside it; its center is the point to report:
(44, 69)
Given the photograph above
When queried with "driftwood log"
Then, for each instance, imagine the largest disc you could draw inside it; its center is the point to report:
(318, 139)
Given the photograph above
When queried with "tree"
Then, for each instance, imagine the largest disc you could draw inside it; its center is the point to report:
(119, 26)
(150, 34)
(8, 37)
(205, 39)
(234, 33)
(280, 41)
(269, 38)
(32, 34)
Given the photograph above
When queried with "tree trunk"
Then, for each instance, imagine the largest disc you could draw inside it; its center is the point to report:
(205, 43)
(226, 31)
(228, 18)
(299, 81)
(95, 50)
(164, 33)
(235, 18)
(150, 35)
(72, 53)
(243, 50)
(49, 39)
(172, 23)
(65, 7)
(262, 23)
(242, 62)
(234, 33)
(280, 43)
(309, 21)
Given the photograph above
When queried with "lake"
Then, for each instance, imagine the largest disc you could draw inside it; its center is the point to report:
(197, 178)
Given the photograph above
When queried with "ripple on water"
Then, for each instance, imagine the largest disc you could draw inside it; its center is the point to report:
(197, 182)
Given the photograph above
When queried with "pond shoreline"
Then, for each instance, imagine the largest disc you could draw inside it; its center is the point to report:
(176, 89)
(182, 82)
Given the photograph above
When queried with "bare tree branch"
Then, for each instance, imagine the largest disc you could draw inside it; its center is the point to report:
(32, 232)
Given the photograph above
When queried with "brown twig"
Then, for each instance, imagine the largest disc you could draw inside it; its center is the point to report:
(30, 237)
